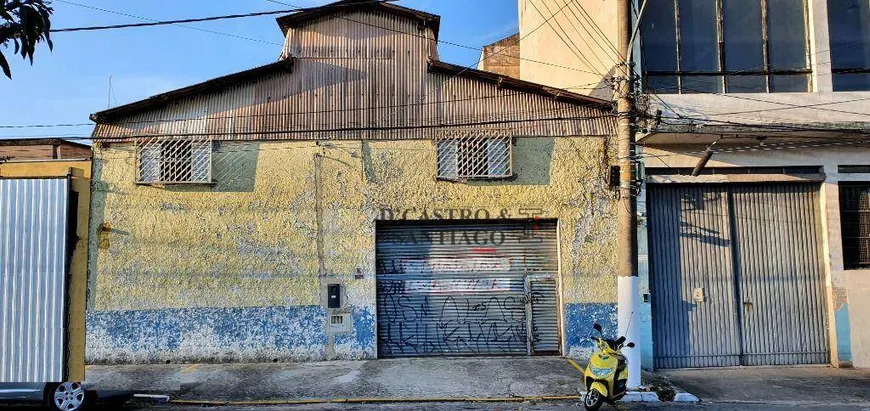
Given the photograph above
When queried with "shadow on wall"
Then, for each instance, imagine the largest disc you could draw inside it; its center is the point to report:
(98, 237)
(532, 159)
(234, 166)
(234, 169)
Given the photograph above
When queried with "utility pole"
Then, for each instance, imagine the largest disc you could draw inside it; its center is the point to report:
(627, 282)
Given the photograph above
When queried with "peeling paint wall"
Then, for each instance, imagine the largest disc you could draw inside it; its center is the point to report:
(230, 272)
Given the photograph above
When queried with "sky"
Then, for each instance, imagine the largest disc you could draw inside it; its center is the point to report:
(66, 85)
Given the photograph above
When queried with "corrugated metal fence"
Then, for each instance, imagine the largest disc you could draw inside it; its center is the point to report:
(33, 268)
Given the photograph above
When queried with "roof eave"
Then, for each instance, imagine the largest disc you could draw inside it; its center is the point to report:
(39, 141)
(437, 66)
(215, 84)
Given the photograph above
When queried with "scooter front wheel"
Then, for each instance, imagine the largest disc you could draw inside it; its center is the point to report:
(593, 400)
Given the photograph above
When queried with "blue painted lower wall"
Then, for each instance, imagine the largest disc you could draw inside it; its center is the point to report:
(252, 334)
(844, 334)
(263, 334)
(579, 319)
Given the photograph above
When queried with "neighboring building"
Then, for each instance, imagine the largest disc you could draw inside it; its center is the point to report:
(502, 57)
(762, 257)
(358, 198)
(44, 210)
(561, 47)
(43, 149)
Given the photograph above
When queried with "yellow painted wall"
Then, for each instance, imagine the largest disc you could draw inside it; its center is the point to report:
(250, 240)
(80, 173)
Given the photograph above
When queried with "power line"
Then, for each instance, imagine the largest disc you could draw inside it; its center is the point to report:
(789, 106)
(769, 127)
(575, 50)
(174, 24)
(171, 22)
(596, 27)
(831, 142)
(193, 20)
(449, 43)
(46, 125)
(593, 35)
(345, 129)
(281, 114)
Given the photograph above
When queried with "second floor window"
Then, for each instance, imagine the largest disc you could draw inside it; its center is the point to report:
(731, 46)
(849, 31)
(172, 161)
(478, 155)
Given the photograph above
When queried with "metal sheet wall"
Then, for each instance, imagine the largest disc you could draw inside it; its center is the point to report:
(779, 274)
(458, 288)
(359, 75)
(33, 262)
(544, 306)
(690, 247)
(752, 251)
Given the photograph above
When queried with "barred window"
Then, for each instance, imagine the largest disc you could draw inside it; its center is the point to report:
(855, 224)
(172, 161)
(478, 155)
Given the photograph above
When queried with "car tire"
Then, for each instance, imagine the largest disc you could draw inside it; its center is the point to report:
(67, 396)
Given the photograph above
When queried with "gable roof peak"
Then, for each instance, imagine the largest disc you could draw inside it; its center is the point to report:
(344, 6)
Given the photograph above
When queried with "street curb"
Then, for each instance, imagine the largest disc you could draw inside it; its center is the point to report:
(151, 397)
(685, 397)
(372, 400)
(635, 396)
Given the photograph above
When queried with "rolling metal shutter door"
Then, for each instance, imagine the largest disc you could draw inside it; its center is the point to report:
(545, 323)
(753, 249)
(689, 243)
(779, 274)
(33, 266)
(456, 288)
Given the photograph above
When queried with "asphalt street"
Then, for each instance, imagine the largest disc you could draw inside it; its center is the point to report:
(544, 406)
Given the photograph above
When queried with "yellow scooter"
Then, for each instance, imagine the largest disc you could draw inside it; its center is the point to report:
(607, 373)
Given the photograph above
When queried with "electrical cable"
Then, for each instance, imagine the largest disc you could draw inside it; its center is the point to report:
(575, 50)
(276, 114)
(449, 43)
(170, 22)
(344, 129)
(174, 24)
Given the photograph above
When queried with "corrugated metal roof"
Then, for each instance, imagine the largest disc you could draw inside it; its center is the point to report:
(370, 77)
(349, 6)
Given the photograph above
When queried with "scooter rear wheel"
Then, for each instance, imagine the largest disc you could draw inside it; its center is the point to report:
(593, 400)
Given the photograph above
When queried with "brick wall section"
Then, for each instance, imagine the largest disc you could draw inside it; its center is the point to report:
(503, 57)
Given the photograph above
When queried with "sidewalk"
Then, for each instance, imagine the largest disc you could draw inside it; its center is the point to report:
(787, 386)
(449, 378)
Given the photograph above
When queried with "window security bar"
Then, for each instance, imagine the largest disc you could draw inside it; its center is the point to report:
(476, 154)
(171, 160)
